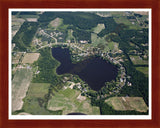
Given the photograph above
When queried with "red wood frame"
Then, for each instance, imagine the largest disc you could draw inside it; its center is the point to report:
(6, 4)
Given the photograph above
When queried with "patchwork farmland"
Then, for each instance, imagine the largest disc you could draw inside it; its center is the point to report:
(69, 101)
(20, 86)
(30, 57)
(127, 103)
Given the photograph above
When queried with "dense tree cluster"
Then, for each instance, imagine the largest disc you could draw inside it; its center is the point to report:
(77, 19)
(47, 66)
(24, 36)
(82, 35)
(110, 26)
(15, 12)
(139, 81)
(79, 22)
(28, 13)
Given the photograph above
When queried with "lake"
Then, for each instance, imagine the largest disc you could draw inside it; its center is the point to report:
(94, 70)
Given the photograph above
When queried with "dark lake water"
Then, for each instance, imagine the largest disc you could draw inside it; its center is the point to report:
(76, 113)
(94, 71)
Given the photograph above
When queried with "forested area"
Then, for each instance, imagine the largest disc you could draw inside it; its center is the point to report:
(24, 36)
(110, 26)
(80, 20)
(139, 81)
(28, 13)
(15, 13)
(82, 35)
(47, 66)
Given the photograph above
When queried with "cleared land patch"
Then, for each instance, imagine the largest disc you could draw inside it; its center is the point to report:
(30, 57)
(141, 12)
(16, 58)
(67, 101)
(16, 24)
(143, 70)
(99, 28)
(24, 113)
(138, 60)
(103, 44)
(20, 86)
(32, 19)
(35, 106)
(124, 20)
(127, 103)
(97, 40)
(38, 89)
(56, 22)
(70, 35)
(35, 100)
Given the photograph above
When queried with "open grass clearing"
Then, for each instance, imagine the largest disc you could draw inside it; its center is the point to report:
(111, 45)
(124, 20)
(110, 14)
(31, 19)
(56, 22)
(67, 101)
(107, 46)
(16, 24)
(99, 28)
(35, 100)
(141, 12)
(16, 57)
(143, 70)
(31, 105)
(24, 113)
(96, 40)
(38, 89)
(117, 14)
(137, 60)
(127, 103)
(20, 86)
(70, 36)
(30, 57)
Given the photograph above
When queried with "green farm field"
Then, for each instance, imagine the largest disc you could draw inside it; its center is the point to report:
(143, 70)
(55, 23)
(99, 28)
(67, 100)
(127, 103)
(138, 60)
(125, 21)
(106, 45)
(35, 101)
(20, 86)
(38, 89)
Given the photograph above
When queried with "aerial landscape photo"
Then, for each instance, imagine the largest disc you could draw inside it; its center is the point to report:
(79, 62)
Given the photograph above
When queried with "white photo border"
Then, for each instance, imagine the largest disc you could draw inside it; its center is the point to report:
(80, 117)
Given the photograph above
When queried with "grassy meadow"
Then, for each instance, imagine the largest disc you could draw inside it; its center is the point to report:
(66, 100)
